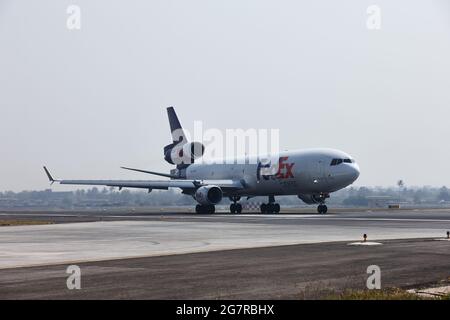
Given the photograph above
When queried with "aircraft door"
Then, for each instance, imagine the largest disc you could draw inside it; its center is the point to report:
(318, 173)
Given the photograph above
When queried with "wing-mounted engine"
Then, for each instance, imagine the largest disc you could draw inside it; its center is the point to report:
(208, 195)
(313, 198)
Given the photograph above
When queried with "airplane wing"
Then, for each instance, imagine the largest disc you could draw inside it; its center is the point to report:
(188, 185)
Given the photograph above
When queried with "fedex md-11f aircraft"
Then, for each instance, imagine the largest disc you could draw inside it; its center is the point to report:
(310, 174)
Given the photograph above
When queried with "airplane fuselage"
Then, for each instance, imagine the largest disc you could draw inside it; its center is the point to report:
(308, 171)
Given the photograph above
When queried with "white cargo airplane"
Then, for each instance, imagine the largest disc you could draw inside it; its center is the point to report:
(310, 174)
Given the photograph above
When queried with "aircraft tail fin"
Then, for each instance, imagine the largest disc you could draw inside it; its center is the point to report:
(181, 152)
(178, 135)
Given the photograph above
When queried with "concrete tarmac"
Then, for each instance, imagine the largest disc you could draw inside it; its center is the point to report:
(163, 254)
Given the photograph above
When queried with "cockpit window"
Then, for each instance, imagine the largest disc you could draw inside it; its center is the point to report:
(336, 162)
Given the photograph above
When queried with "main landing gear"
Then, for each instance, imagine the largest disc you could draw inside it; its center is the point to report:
(205, 209)
(322, 209)
(270, 207)
(235, 207)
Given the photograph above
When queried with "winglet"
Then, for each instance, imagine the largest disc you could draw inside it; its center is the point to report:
(49, 175)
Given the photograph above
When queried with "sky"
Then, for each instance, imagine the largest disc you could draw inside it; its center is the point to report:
(85, 102)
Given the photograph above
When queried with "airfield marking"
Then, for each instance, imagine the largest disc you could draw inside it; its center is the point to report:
(315, 217)
(254, 217)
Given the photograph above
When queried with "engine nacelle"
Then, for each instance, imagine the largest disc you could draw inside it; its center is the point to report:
(194, 149)
(312, 198)
(183, 154)
(208, 195)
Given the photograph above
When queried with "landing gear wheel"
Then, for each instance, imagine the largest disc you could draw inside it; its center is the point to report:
(276, 208)
(263, 208)
(235, 208)
(270, 208)
(322, 209)
(208, 209)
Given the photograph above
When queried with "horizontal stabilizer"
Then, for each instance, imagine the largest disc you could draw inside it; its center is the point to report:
(152, 172)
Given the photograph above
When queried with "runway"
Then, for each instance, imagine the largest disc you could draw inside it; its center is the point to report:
(141, 235)
(110, 245)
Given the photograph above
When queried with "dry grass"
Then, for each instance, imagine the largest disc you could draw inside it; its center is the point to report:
(385, 294)
(7, 223)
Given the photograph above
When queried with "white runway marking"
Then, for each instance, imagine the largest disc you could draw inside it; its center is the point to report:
(367, 243)
(317, 217)
(234, 216)
(389, 219)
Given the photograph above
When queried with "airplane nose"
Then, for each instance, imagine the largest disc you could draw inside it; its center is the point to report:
(354, 172)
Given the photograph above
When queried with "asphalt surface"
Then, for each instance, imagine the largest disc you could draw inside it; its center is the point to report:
(158, 254)
(295, 215)
(309, 271)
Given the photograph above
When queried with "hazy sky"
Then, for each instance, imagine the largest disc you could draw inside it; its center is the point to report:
(86, 102)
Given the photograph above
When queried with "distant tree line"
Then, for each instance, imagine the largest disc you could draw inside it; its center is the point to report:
(107, 197)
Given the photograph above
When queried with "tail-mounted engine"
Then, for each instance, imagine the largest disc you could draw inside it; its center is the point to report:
(183, 154)
(180, 152)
